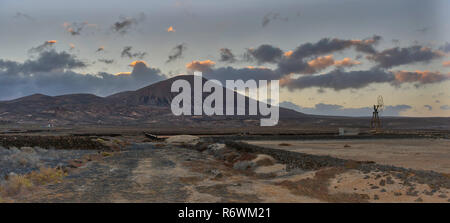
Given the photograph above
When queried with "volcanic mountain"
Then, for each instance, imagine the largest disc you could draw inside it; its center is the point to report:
(148, 105)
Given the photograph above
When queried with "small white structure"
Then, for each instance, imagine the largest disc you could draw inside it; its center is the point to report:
(348, 131)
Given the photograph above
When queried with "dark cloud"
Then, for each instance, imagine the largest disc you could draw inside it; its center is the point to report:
(106, 61)
(47, 61)
(126, 52)
(295, 62)
(229, 73)
(38, 76)
(429, 107)
(272, 16)
(202, 66)
(100, 49)
(339, 110)
(400, 56)
(339, 80)
(328, 45)
(227, 56)
(74, 28)
(45, 46)
(177, 52)
(20, 15)
(125, 23)
(419, 77)
(264, 54)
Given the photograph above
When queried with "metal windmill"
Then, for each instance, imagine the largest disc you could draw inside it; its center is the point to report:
(378, 108)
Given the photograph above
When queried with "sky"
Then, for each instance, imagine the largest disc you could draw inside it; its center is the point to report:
(331, 57)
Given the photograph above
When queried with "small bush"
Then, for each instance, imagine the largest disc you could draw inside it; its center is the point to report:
(16, 184)
(46, 175)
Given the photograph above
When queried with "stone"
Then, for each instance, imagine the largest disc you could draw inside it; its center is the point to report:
(263, 160)
(442, 196)
(244, 165)
(27, 149)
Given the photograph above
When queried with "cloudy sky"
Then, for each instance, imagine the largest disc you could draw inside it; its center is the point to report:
(331, 57)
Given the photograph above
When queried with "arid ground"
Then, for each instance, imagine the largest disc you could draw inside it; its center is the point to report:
(49, 167)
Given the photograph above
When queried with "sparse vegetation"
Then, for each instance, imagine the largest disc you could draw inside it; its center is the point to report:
(17, 184)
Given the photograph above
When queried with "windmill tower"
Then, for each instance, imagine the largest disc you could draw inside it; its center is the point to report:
(375, 122)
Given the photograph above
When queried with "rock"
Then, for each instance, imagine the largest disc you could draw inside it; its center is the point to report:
(412, 193)
(382, 182)
(375, 197)
(418, 200)
(217, 150)
(244, 165)
(263, 160)
(389, 180)
(364, 196)
(442, 196)
(374, 187)
(383, 190)
(397, 193)
(183, 139)
(27, 149)
(39, 149)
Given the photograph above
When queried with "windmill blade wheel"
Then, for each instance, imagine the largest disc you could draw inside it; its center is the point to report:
(380, 103)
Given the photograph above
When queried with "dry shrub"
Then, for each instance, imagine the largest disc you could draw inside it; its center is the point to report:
(46, 175)
(352, 164)
(16, 184)
(284, 144)
(23, 183)
(105, 154)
